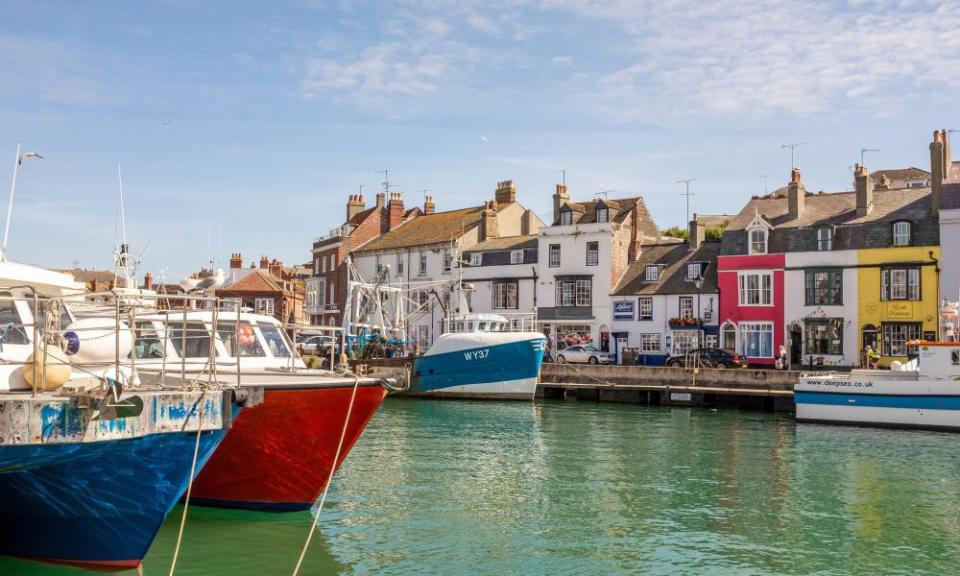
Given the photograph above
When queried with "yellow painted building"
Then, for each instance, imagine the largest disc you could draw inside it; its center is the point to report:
(898, 298)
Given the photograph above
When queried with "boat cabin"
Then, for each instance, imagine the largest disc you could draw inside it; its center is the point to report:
(478, 323)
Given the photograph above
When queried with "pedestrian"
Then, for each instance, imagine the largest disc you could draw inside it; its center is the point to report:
(783, 357)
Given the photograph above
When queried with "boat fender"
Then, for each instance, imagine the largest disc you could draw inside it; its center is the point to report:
(52, 369)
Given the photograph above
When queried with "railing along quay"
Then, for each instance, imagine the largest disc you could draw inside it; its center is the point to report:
(764, 389)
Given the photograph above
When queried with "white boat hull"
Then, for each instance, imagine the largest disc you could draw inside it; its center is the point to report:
(519, 389)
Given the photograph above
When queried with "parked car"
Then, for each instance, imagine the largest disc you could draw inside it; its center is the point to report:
(709, 358)
(313, 345)
(584, 354)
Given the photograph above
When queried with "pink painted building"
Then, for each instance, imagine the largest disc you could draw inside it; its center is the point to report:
(751, 305)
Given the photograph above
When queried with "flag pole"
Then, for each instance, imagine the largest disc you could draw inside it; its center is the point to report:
(13, 187)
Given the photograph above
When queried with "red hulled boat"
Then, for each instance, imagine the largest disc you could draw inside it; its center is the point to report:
(279, 454)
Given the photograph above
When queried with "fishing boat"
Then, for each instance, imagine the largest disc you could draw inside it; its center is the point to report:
(480, 356)
(92, 456)
(923, 392)
(280, 454)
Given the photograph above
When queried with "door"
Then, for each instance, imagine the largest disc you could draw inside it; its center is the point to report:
(869, 338)
(796, 346)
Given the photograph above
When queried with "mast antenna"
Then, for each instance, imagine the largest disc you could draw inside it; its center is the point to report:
(686, 182)
(793, 153)
(863, 151)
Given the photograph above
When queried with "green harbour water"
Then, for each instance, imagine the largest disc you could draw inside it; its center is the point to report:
(460, 487)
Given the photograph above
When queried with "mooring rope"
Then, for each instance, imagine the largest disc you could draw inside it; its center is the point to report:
(186, 500)
(333, 467)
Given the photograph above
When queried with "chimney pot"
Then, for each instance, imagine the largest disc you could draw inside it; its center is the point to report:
(796, 195)
(863, 184)
(148, 281)
(696, 233)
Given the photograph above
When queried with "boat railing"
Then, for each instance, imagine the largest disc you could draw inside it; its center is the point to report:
(492, 322)
(113, 341)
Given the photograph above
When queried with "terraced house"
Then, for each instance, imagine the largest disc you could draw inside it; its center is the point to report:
(421, 254)
(667, 302)
(582, 256)
(827, 274)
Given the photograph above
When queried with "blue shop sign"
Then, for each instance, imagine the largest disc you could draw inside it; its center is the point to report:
(623, 310)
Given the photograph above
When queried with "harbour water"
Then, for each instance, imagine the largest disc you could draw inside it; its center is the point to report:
(460, 487)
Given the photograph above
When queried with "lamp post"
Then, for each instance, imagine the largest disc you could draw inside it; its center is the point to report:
(18, 160)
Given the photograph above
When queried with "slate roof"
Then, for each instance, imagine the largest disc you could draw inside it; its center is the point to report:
(505, 243)
(838, 209)
(427, 229)
(898, 178)
(673, 277)
(620, 210)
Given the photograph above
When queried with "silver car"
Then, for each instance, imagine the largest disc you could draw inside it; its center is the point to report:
(583, 355)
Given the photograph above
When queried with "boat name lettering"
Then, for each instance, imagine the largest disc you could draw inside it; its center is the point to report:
(841, 383)
(476, 354)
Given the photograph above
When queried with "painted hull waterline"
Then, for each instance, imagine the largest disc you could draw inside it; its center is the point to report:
(499, 370)
(97, 505)
(278, 454)
(933, 405)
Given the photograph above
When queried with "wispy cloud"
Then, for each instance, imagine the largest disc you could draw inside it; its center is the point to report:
(45, 70)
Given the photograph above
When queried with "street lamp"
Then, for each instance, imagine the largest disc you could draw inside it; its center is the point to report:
(13, 186)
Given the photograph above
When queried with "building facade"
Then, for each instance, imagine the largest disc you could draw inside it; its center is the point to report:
(581, 258)
(667, 303)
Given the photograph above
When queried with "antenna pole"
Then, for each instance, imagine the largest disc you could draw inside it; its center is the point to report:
(13, 187)
(687, 193)
(563, 176)
(793, 157)
(123, 214)
(763, 177)
(864, 151)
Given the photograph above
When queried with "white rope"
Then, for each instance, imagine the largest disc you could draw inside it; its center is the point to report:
(333, 467)
(186, 501)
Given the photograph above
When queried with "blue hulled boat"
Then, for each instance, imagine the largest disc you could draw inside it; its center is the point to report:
(480, 357)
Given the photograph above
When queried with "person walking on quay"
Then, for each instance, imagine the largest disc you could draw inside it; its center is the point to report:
(872, 357)
(782, 358)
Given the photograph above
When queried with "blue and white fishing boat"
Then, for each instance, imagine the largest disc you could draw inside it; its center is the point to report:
(480, 356)
(921, 393)
(92, 458)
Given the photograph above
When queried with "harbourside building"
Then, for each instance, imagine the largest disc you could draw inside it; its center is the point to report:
(825, 275)
(501, 274)
(582, 256)
(420, 255)
(269, 289)
(945, 182)
(667, 302)
(326, 288)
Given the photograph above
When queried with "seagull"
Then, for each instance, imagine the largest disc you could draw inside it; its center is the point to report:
(26, 155)
(211, 282)
(484, 139)
(189, 284)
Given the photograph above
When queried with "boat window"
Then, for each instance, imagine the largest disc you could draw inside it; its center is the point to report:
(482, 326)
(249, 343)
(11, 326)
(275, 340)
(955, 357)
(149, 344)
(470, 326)
(190, 341)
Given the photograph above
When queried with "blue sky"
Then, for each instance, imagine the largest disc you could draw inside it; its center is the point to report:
(245, 125)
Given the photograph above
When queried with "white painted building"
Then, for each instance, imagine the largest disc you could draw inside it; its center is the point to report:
(820, 308)
(581, 257)
(667, 303)
(421, 255)
(502, 274)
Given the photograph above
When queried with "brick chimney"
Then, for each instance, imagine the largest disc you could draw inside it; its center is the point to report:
(940, 161)
(696, 233)
(394, 210)
(488, 222)
(355, 205)
(527, 223)
(506, 192)
(380, 199)
(276, 268)
(264, 263)
(560, 198)
(796, 195)
(148, 281)
(863, 184)
(236, 261)
(428, 206)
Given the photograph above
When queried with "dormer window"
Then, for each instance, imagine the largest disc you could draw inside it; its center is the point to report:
(901, 233)
(825, 238)
(758, 235)
(566, 217)
(758, 241)
(694, 271)
(652, 273)
(603, 214)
